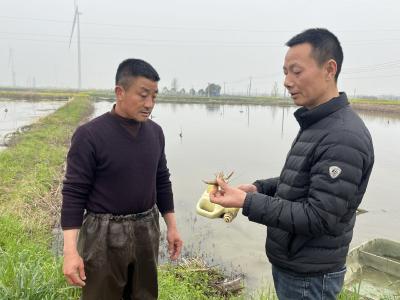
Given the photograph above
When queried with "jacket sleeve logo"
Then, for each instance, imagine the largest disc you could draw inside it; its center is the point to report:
(334, 171)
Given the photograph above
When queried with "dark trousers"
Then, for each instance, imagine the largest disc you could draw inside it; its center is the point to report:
(120, 255)
(291, 286)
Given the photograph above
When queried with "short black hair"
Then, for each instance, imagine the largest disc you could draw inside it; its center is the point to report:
(325, 46)
(133, 67)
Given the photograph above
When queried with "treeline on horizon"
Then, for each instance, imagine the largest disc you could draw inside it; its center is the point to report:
(214, 91)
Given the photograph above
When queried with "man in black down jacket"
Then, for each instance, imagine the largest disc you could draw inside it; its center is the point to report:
(310, 209)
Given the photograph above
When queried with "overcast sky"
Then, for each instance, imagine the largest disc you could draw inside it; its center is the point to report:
(220, 41)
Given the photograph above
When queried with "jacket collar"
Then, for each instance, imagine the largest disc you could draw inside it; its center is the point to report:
(307, 117)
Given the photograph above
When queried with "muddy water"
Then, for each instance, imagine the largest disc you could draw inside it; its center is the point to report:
(253, 141)
(16, 114)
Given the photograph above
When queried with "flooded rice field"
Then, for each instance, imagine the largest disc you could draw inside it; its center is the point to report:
(253, 142)
(14, 115)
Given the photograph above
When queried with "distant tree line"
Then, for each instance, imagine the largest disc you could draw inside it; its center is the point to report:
(211, 90)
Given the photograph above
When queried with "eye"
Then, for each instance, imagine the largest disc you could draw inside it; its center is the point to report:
(296, 72)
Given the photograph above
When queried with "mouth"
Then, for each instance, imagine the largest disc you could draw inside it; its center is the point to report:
(294, 95)
(145, 113)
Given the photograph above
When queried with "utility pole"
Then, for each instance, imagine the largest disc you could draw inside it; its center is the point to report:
(11, 64)
(283, 120)
(248, 115)
(250, 87)
(79, 50)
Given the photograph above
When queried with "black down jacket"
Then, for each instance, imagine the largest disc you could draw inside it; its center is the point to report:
(310, 209)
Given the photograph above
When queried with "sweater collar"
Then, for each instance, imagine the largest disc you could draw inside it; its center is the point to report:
(307, 117)
(122, 120)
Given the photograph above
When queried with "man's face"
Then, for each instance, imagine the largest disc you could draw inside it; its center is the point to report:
(137, 101)
(305, 80)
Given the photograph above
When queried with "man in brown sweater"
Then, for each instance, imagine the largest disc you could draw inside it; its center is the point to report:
(117, 172)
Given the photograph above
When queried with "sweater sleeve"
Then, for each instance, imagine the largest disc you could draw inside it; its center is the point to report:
(79, 177)
(165, 202)
(337, 176)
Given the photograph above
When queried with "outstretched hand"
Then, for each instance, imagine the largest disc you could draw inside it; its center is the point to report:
(226, 195)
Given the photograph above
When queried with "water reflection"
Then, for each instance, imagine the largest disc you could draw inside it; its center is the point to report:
(213, 108)
(254, 144)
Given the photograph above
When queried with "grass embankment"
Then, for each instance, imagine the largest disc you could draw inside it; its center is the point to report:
(225, 99)
(30, 171)
(391, 107)
(34, 95)
(360, 104)
(371, 105)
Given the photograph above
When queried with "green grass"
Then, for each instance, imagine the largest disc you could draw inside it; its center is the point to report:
(374, 101)
(29, 171)
(191, 281)
(224, 99)
(37, 95)
(28, 268)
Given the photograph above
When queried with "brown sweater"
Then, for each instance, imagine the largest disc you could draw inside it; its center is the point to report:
(109, 170)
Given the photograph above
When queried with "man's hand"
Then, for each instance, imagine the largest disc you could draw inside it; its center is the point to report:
(73, 269)
(174, 243)
(173, 238)
(227, 196)
(248, 188)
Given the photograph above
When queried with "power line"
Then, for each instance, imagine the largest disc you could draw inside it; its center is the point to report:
(195, 28)
(179, 42)
(373, 68)
(113, 38)
(145, 26)
(373, 77)
(164, 43)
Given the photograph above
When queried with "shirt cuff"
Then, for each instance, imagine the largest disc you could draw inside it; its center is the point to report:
(167, 211)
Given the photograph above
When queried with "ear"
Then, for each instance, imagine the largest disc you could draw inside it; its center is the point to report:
(331, 69)
(119, 92)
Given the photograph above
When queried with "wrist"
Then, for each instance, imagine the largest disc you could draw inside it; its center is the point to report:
(171, 227)
(70, 251)
(170, 220)
(243, 195)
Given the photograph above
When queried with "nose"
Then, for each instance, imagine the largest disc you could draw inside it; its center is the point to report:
(149, 102)
(287, 82)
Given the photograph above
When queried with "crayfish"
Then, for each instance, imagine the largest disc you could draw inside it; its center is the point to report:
(220, 175)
